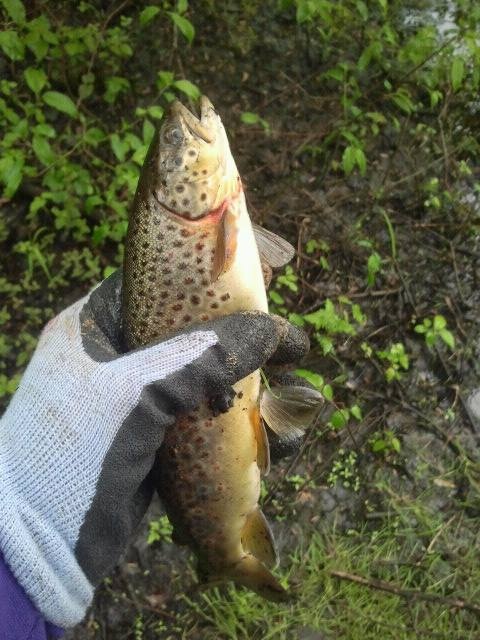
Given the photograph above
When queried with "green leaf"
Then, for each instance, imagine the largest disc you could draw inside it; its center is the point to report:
(148, 14)
(439, 323)
(119, 147)
(114, 86)
(356, 412)
(275, 297)
(164, 79)
(448, 338)
(148, 131)
(420, 328)
(61, 102)
(11, 172)
(348, 159)
(43, 150)
(248, 117)
(184, 26)
(155, 112)
(188, 88)
(315, 379)
(35, 79)
(339, 418)
(11, 45)
(15, 10)
(457, 73)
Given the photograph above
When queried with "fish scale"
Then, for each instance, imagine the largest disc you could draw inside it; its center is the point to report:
(187, 261)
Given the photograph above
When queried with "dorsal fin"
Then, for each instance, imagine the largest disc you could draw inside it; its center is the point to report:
(257, 539)
(263, 448)
(273, 249)
(290, 410)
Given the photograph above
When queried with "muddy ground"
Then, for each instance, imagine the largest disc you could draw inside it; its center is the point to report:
(435, 269)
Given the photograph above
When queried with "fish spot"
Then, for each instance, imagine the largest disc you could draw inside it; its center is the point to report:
(186, 168)
(189, 280)
(195, 299)
(183, 265)
(156, 220)
(151, 278)
(204, 235)
(159, 314)
(195, 173)
(173, 203)
(166, 271)
(214, 305)
(177, 307)
(204, 171)
(203, 196)
(204, 317)
(179, 188)
(178, 243)
(199, 260)
(185, 202)
(240, 394)
(225, 296)
(199, 246)
(202, 270)
(168, 283)
(185, 233)
(180, 296)
(145, 245)
(191, 152)
(205, 282)
(187, 318)
(171, 227)
(210, 293)
(178, 161)
(164, 294)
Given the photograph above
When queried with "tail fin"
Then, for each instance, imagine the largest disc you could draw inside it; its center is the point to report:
(251, 573)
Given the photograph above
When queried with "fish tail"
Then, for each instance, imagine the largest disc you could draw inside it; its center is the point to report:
(251, 573)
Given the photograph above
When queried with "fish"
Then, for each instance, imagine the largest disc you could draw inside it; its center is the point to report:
(192, 255)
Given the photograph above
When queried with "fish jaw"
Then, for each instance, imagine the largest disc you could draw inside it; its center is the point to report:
(190, 168)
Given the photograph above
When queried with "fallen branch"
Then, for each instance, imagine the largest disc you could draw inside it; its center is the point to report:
(411, 594)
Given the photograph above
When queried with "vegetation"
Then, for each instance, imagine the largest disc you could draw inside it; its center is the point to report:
(354, 123)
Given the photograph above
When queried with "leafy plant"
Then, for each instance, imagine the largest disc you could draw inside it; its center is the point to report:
(435, 331)
(397, 360)
(159, 530)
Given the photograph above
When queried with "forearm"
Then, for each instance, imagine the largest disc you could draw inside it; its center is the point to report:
(18, 617)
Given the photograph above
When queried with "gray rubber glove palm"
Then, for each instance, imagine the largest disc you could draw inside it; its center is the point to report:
(78, 440)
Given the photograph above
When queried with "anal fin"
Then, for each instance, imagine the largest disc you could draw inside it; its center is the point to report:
(257, 539)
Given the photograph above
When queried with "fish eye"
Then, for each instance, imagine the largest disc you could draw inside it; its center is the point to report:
(173, 135)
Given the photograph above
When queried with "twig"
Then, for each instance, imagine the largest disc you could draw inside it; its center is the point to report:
(410, 594)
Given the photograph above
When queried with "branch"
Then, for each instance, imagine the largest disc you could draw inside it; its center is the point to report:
(412, 594)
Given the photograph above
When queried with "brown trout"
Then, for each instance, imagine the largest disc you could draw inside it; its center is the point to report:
(191, 255)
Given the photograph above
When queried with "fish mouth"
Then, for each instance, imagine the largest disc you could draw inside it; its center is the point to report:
(212, 216)
(199, 127)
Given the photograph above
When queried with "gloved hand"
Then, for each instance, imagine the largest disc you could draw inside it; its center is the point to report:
(79, 437)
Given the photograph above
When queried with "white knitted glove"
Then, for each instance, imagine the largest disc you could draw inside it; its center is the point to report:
(79, 438)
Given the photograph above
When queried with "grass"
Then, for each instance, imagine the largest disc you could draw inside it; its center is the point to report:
(335, 608)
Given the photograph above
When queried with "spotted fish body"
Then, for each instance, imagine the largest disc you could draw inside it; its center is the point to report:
(191, 256)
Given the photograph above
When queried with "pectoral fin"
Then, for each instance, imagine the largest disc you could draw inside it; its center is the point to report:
(290, 410)
(257, 539)
(273, 249)
(263, 448)
(226, 246)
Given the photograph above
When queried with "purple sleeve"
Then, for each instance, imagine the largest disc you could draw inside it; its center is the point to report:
(19, 620)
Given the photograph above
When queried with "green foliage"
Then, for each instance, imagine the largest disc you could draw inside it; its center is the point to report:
(385, 443)
(435, 331)
(247, 117)
(159, 530)
(76, 122)
(397, 360)
(344, 470)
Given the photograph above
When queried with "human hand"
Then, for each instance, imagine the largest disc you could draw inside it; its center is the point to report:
(78, 440)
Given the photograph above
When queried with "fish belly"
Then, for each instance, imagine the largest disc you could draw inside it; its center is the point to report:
(209, 479)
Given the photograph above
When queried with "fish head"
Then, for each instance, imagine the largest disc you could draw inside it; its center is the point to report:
(192, 170)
